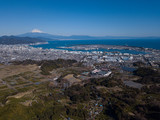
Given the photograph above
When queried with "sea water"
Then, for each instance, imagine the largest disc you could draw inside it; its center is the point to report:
(146, 43)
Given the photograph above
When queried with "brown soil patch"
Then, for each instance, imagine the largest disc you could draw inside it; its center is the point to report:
(70, 78)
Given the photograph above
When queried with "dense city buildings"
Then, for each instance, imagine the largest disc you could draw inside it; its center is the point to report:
(9, 53)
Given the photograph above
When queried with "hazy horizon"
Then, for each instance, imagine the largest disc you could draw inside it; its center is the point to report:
(42, 32)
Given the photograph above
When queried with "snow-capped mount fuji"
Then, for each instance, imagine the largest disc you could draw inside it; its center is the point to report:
(35, 33)
(45, 36)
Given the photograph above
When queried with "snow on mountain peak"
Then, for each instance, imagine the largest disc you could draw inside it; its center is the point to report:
(37, 31)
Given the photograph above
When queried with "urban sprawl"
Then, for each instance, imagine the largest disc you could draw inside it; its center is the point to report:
(9, 53)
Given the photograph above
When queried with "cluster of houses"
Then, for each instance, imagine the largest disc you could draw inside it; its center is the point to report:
(98, 73)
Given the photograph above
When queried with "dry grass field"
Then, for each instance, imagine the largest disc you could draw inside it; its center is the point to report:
(70, 78)
(10, 70)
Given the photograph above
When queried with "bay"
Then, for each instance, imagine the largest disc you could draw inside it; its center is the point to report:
(146, 43)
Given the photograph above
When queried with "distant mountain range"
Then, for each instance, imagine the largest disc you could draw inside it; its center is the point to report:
(50, 37)
(37, 37)
(11, 40)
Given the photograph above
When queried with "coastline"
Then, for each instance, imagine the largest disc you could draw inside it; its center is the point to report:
(149, 44)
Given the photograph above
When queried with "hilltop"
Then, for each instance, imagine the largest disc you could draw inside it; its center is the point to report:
(11, 40)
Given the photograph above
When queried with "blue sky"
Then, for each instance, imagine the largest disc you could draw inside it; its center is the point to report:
(81, 17)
